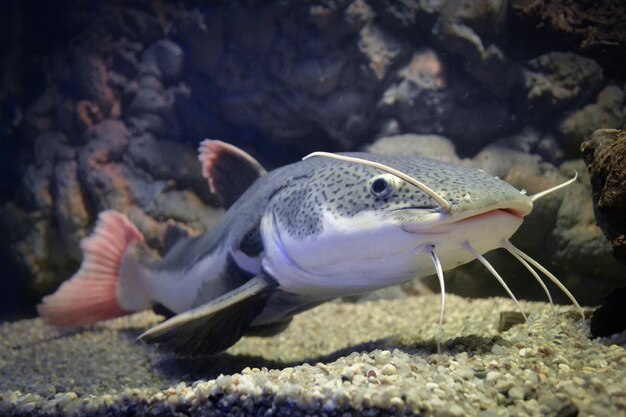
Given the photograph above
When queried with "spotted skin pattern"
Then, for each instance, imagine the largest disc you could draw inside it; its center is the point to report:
(343, 189)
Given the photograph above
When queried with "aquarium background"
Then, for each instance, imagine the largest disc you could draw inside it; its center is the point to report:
(104, 103)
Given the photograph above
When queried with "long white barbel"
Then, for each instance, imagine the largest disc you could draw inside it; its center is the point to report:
(507, 245)
(431, 250)
(543, 193)
(550, 276)
(491, 269)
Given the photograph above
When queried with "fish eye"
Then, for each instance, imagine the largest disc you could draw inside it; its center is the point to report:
(382, 186)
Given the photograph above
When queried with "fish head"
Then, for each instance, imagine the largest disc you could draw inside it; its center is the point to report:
(344, 226)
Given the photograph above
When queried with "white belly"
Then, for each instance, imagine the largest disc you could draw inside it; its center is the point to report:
(362, 254)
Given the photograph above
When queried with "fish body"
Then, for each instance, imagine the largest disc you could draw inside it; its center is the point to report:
(295, 237)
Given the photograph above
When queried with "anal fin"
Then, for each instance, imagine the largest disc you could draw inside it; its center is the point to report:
(214, 326)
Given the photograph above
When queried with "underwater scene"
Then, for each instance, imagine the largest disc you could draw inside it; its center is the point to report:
(313, 208)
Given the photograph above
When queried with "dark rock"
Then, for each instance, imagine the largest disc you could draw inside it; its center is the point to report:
(89, 80)
(559, 80)
(318, 77)
(477, 119)
(381, 49)
(408, 14)
(426, 96)
(124, 59)
(39, 117)
(287, 84)
(469, 29)
(164, 59)
(105, 143)
(606, 113)
(35, 191)
(157, 124)
(36, 187)
(509, 319)
(471, 25)
(535, 27)
(418, 98)
(140, 24)
(148, 100)
(605, 155)
(610, 318)
(146, 82)
(65, 186)
(203, 36)
(152, 109)
(333, 17)
(70, 213)
(166, 161)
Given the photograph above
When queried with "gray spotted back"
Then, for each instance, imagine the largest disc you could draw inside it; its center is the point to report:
(342, 188)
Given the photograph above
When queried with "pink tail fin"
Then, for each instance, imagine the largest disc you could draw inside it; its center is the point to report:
(90, 295)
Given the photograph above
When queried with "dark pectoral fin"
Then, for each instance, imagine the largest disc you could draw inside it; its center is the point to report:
(215, 326)
(161, 310)
(267, 330)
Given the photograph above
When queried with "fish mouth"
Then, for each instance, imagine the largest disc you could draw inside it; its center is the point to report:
(433, 221)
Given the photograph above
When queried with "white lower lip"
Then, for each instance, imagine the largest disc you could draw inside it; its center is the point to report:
(484, 232)
(439, 225)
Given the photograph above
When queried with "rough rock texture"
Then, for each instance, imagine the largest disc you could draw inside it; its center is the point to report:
(596, 30)
(606, 112)
(377, 360)
(87, 105)
(470, 29)
(66, 186)
(605, 155)
(560, 80)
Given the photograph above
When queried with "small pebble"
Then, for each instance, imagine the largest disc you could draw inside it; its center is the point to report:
(496, 349)
(516, 393)
(493, 375)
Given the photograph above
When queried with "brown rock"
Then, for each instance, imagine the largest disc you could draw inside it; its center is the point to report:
(605, 155)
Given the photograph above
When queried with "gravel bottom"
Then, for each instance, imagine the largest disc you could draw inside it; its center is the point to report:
(373, 358)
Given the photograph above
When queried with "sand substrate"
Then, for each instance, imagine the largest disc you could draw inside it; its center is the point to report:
(374, 358)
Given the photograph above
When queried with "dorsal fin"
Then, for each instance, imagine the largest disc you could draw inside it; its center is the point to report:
(230, 170)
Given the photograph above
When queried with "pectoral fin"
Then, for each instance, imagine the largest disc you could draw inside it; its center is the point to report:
(216, 325)
(267, 330)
